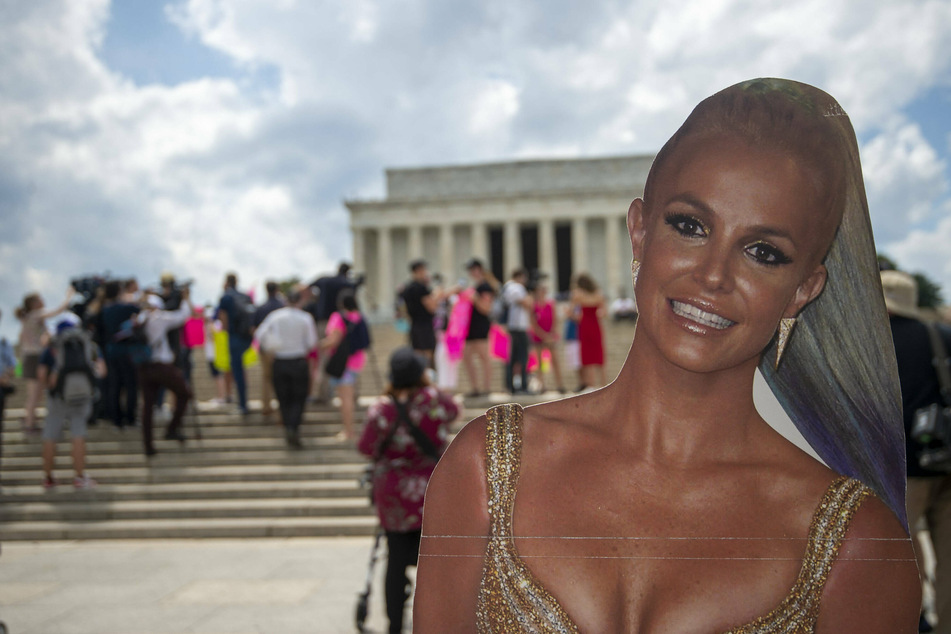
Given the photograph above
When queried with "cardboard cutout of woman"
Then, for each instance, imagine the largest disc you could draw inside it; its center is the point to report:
(664, 502)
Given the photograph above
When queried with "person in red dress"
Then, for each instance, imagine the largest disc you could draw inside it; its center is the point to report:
(588, 305)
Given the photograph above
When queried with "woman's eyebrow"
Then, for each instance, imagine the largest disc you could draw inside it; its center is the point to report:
(693, 201)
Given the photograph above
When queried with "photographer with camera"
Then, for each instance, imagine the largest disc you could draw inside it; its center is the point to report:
(918, 350)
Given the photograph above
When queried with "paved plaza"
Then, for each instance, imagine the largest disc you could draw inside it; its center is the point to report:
(252, 586)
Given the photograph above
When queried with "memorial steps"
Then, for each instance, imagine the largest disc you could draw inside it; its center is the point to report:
(239, 480)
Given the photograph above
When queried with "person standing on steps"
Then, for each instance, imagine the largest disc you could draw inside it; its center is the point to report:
(68, 369)
(160, 370)
(33, 338)
(236, 313)
(274, 302)
(347, 338)
(288, 335)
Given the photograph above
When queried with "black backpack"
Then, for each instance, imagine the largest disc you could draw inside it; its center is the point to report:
(359, 336)
(73, 354)
(243, 315)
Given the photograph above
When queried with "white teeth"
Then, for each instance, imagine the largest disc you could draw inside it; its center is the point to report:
(702, 317)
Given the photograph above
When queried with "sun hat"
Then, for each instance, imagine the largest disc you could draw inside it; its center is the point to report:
(901, 294)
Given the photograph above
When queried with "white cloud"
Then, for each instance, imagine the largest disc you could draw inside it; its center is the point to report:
(492, 107)
(926, 251)
(904, 177)
(99, 173)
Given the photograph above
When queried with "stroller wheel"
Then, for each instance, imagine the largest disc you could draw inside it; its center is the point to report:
(360, 616)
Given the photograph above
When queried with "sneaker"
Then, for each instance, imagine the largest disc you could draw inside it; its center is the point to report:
(84, 482)
(49, 483)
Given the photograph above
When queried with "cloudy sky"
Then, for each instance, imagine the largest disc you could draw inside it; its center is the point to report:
(205, 135)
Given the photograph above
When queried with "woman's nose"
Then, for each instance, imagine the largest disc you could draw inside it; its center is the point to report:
(713, 270)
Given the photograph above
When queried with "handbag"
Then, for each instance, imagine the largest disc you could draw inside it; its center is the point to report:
(337, 363)
(932, 424)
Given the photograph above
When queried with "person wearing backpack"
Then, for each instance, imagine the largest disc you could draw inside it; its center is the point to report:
(346, 341)
(236, 312)
(159, 369)
(929, 486)
(68, 368)
(404, 435)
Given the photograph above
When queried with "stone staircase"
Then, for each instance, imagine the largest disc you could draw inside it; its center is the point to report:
(238, 480)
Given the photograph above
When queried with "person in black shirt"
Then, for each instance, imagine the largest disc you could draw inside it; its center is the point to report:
(929, 492)
(121, 373)
(477, 339)
(421, 303)
(326, 290)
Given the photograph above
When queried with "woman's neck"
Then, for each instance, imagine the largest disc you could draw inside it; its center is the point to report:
(674, 415)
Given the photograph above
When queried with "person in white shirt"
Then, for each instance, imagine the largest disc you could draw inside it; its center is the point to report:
(289, 334)
(160, 370)
(520, 310)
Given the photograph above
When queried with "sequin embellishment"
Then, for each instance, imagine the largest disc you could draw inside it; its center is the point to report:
(512, 600)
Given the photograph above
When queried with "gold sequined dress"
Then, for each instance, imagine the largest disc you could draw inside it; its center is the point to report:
(512, 600)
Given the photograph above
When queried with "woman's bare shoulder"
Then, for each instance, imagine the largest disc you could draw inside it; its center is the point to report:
(456, 499)
(874, 585)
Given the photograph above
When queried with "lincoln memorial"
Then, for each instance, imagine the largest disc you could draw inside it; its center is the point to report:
(559, 217)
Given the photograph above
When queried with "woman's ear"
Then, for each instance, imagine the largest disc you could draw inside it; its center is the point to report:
(636, 226)
(808, 290)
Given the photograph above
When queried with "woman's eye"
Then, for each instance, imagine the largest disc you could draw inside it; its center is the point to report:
(687, 226)
(765, 253)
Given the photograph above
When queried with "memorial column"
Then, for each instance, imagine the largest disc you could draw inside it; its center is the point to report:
(546, 249)
(512, 243)
(579, 245)
(415, 240)
(384, 265)
(446, 265)
(480, 240)
(359, 249)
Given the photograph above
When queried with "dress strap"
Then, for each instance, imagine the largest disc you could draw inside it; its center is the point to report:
(800, 610)
(503, 451)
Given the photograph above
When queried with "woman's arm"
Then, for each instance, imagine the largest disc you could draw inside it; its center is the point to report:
(70, 291)
(874, 586)
(455, 526)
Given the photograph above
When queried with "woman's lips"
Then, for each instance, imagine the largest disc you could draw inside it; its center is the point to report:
(699, 316)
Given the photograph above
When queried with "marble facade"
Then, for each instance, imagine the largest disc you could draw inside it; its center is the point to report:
(557, 216)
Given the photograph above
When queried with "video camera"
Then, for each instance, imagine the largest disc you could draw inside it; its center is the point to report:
(86, 288)
(932, 428)
(171, 291)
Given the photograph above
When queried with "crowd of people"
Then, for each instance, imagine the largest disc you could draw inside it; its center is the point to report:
(517, 322)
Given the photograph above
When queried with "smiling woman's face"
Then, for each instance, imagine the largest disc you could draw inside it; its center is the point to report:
(730, 242)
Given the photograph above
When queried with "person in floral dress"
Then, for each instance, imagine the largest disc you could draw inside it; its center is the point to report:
(405, 433)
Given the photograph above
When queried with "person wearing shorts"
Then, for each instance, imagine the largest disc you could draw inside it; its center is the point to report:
(337, 325)
(59, 414)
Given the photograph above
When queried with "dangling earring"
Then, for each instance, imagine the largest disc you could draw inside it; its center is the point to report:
(785, 329)
(635, 269)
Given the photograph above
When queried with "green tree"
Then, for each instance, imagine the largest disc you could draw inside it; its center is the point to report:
(288, 285)
(929, 292)
(885, 263)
